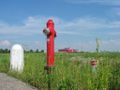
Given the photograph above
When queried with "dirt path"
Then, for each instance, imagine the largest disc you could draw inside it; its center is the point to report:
(10, 83)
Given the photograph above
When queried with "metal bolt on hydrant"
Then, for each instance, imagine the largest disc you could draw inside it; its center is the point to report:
(50, 33)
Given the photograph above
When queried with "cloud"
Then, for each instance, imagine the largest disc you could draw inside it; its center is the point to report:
(101, 2)
(29, 27)
(5, 43)
(32, 45)
(112, 41)
(34, 25)
(111, 45)
(83, 26)
(105, 45)
(30, 31)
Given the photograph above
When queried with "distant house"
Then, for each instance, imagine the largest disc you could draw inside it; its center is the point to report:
(68, 50)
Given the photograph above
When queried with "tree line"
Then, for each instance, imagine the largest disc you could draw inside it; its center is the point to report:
(27, 51)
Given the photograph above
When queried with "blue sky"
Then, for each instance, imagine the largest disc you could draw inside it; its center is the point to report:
(77, 22)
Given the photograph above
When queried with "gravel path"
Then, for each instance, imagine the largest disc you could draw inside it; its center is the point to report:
(10, 83)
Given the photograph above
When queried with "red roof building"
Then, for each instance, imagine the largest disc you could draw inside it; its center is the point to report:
(68, 50)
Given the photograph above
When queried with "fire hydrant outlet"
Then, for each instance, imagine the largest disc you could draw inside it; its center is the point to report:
(46, 31)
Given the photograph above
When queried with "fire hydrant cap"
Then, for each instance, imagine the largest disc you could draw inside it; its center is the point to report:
(50, 21)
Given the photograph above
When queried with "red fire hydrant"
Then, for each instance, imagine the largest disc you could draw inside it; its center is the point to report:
(51, 34)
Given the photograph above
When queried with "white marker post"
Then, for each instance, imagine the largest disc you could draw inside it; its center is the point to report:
(17, 58)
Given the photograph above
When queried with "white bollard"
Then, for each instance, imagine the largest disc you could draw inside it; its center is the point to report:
(17, 58)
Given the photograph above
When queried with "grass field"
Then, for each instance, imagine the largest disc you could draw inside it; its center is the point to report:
(72, 71)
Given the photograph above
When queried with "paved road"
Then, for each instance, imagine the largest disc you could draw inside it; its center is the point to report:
(9, 83)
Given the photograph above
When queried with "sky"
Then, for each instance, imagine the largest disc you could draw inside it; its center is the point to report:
(77, 22)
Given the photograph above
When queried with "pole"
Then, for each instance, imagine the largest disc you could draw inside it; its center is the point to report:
(49, 78)
(49, 72)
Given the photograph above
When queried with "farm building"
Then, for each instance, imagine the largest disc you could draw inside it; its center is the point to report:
(68, 50)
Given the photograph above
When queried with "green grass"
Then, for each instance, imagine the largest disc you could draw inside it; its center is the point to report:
(71, 72)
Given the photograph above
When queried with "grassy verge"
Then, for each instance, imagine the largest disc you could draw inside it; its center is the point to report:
(71, 72)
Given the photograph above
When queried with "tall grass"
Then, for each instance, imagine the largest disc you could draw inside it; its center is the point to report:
(4, 62)
(71, 72)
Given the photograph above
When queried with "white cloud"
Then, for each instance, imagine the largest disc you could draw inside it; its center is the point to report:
(5, 43)
(34, 25)
(81, 26)
(107, 45)
(112, 41)
(31, 25)
(111, 45)
(101, 2)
